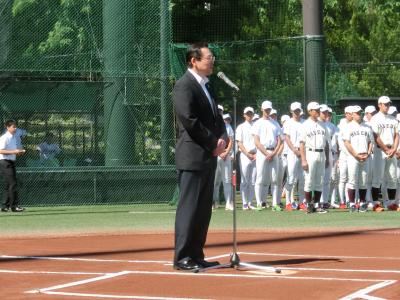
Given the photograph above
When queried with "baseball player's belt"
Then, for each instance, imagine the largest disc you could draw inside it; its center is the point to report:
(315, 150)
(270, 149)
(389, 146)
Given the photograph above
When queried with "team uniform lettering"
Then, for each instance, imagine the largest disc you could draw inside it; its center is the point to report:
(315, 133)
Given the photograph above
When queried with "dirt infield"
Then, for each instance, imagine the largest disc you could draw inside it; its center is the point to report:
(315, 265)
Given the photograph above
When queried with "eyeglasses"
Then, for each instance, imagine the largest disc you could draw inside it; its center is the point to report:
(208, 58)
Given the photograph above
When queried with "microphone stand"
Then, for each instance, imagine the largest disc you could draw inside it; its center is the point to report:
(235, 261)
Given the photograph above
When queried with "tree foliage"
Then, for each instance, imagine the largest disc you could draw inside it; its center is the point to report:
(364, 37)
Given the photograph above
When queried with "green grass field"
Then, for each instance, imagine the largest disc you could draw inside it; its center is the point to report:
(125, 218)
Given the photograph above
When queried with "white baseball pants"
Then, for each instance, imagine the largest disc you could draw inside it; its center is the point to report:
(313, 178)
(247, 179)
(267, 172)
(223, 173)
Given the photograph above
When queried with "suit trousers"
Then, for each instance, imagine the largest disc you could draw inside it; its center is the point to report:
(193, 213)
(10, 195)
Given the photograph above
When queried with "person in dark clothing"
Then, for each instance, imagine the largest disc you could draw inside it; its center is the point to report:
(202, 137)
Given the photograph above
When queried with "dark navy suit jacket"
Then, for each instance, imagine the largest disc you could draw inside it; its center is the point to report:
(199, 127)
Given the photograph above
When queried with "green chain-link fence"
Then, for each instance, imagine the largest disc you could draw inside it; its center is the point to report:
(98, 75)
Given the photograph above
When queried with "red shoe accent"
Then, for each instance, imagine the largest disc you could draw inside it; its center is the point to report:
(303, 206)
(342, 206)
(378, 208)
(393, 206)
(288, 207)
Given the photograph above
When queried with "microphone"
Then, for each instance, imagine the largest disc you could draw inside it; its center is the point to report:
(222, 76)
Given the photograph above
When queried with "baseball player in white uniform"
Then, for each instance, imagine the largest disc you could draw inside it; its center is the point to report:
(385, 128)
(281, 163)
(334, 180)
(292, 132)
(385, 197)
(358, 139)
(343, 173)
(369, 112)
(284, 119)
(267, 140)
(314, 147)
(245, 142)
(331, 128)
(223, 172)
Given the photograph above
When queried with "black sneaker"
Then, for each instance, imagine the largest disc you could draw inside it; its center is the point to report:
(321, 210)
(363, 208)
(310, 208)
(17, 209)
(353, 208)
(4, 209)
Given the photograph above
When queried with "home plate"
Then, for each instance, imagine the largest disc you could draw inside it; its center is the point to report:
(261, 272)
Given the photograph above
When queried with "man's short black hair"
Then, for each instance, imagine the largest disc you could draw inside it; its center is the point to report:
(10, 122)
(194, 50)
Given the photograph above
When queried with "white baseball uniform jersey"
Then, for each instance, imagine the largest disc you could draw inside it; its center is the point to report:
(384, 168)
(267, 170)
(315, 136)
(331, 128)
(359, 136)
(292, 129)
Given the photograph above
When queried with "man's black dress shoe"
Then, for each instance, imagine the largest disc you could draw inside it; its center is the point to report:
(187, 265)
(4, 209)
(17, 209)
(207, 264)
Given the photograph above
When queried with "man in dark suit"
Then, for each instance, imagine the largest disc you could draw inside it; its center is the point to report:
(202, 137)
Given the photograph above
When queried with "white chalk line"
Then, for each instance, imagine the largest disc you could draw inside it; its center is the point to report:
(174, 273)
(363, 293)
(167, 263)
(358, 294)
(320, 256)
(52, 272)
(50, 290)
(84, 259)
(121, 296)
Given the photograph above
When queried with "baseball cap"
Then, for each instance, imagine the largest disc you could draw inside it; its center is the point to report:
(220, 107)
(370, 109)
(226, 116)
(248, 109)
(295, 105)
(398, 117)
(284, 118)
(330, 110)
(384, 99)
(313, 105)
(323, 107)
(348, 109)
(356, 109)
(256, 116)
(392, 110)
(266, 104)
(273, 112)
